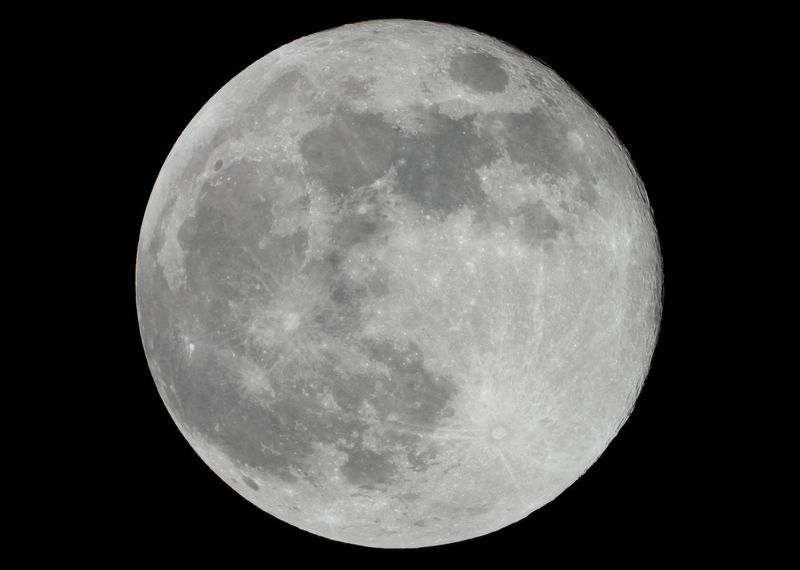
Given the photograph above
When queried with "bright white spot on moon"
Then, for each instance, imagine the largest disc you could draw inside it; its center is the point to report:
(421, 280)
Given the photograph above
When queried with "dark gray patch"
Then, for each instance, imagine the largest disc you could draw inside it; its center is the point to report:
(228, 249)
(352, 151)
(540, 141)
(479, 71)
(437, 168)
(339, 320)
(536, 81)
(367, 469)
(489, 218)
(323, 270)
(353, 229)
(341, 316)
(411, 392)
(378, 285)
(354, 88)
(535, 139)
(218, 165)
(250, 483)
(276, 438)
(282, 92)
(420, 523)
(537, 224)
(351, 391)
(348, 295)
(414, 398)
(259, 437)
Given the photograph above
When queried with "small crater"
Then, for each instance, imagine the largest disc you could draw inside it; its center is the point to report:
(347, 294)
(378, 285)
(476, 510)
(537, 81)
(250, 483)
(586, 193)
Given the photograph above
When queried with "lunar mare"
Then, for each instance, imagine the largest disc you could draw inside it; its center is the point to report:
(398, 284)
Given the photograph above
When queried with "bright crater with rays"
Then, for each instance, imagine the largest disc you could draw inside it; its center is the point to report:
(398, 284)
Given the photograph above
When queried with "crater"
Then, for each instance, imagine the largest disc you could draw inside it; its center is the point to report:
(250, 483)
(499, 433)
(351, 393)
(479, 71)
(420, 459)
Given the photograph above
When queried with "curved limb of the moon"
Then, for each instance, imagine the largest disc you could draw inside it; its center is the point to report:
(398, 284)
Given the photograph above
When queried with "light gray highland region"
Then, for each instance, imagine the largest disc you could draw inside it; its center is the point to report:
(398, 284)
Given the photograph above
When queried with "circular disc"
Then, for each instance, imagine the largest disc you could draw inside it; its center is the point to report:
(398, 284)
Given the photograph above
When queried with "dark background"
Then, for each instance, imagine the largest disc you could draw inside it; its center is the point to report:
(654, 495)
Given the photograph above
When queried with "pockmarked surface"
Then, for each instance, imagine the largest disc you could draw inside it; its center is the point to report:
(398, 284)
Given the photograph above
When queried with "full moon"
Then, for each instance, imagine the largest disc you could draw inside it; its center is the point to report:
(398, 284)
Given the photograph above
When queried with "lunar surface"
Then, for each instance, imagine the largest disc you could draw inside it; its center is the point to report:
(398, 284)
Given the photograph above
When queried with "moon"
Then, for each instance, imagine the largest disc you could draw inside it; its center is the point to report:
(398, 284)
